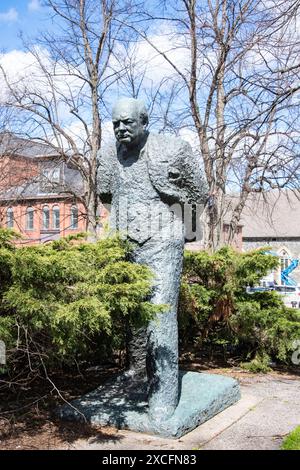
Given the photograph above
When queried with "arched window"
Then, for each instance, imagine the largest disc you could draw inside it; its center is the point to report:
(55, 217)
(10, 218)
(29, 218)
(46, 218)
(74, 217)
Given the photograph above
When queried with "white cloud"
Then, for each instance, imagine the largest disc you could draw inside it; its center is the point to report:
(148, 59)
(34, 5)
(26, 76)
(19, 66)
(59, 90)
(10, 16)
(190, 136)
(24, 71)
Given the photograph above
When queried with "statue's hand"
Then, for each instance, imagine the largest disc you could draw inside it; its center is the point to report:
(174, 175)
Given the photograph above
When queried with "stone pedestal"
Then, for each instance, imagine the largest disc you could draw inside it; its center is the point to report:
(122, 402)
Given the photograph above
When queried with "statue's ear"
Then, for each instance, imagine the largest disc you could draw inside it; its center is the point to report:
(144, 120)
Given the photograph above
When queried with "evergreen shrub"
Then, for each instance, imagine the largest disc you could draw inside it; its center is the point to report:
(68, 300)
(217, 311)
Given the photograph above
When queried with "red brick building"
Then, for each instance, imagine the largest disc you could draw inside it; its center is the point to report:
(38, 192)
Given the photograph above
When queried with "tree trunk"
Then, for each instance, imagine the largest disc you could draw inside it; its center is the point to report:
(215, 212)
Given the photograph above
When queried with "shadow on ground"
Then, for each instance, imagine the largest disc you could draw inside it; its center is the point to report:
(27, 421)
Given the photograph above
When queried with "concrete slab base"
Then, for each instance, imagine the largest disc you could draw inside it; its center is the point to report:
(122, 402)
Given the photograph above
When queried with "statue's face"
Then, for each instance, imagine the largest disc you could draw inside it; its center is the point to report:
(127, 124)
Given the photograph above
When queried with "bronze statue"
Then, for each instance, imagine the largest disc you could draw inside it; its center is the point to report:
(147, 181)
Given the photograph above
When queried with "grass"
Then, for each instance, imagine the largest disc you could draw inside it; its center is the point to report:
(292, 441)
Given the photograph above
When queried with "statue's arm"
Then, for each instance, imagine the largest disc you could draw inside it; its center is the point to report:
(191, 179)
(104, 177)
(175, 170)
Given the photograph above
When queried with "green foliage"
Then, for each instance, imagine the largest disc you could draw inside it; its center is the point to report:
(292, 441)
(264, 324)
(260, 363)
(70, 298)
(8, 237)
(216, 309)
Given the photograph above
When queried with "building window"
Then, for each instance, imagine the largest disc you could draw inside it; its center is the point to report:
(10, 218)
(74, 217)
(284, 263)
(50, 178)
(55, 218)
(51, 175)
(285, 260)
(46, 218)
(29, 218)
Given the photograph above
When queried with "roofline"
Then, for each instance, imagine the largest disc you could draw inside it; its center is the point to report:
(38, 198)
(270, 238)
(33, 142)
(33, 157)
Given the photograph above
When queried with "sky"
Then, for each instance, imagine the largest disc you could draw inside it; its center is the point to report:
(27, 16)
(30, 17)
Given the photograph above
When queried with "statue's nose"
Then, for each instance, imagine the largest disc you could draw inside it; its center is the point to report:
(122, 126)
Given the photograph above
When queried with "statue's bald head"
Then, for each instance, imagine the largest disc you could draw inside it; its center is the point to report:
(130, 119)
(131, 105)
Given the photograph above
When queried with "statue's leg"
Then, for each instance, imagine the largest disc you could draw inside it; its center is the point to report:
(137, 352)
(137, 338)
(165, 260)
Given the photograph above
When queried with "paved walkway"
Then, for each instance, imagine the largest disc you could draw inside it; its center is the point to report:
(268, 410)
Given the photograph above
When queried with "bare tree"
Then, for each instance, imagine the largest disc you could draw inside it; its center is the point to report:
(238, 78)
(62, 98)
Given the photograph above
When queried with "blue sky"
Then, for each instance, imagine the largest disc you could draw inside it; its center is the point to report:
(19, 15)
